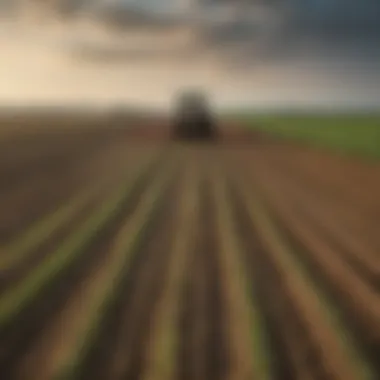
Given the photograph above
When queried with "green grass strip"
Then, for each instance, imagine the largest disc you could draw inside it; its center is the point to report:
(19, 297)
(349, 134)
(357, 359)
(126, 244)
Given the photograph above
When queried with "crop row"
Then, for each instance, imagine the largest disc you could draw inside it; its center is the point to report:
(126, 244)
(18, 299)
(332, 342)
(250, 287)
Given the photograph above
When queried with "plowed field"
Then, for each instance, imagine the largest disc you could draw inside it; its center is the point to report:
(126, 256)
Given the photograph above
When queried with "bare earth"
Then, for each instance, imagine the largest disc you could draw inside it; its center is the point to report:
(241, 259)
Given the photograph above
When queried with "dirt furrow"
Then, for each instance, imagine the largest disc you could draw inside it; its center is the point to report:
(23, 329)
(162, 349)
(193, 317)
(346, 178)
(209, 267)
(328, 350)
(25, 204)
(361, 257)
(61, 337)
(248, 357)
(119, 353)
(364, 301)
(137, 306)
(315, 181)
(37, 243)
(354, 219)
(202, 352)
(118, 350)
(216, 344)
(357, 299)
(358, 179)
(286, 341)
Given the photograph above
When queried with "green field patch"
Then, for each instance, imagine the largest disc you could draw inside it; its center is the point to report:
(354, 134)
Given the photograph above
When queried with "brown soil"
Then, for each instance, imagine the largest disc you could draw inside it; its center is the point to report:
(121, 347)
(354, 249)
(352, 291)
(20, 337)
(286, 339)
(202, 352)
(111, 172)
(303, 188)
(41, 191)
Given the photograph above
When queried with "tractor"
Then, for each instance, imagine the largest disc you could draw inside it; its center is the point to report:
(193, 119)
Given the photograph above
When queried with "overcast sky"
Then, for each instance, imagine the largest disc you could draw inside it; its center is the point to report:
(297, 53)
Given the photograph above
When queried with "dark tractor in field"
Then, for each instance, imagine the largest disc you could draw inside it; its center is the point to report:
(193, 119)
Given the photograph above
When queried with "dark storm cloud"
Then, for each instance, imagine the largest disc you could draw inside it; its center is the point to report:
(262, 31)
(334, 16)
